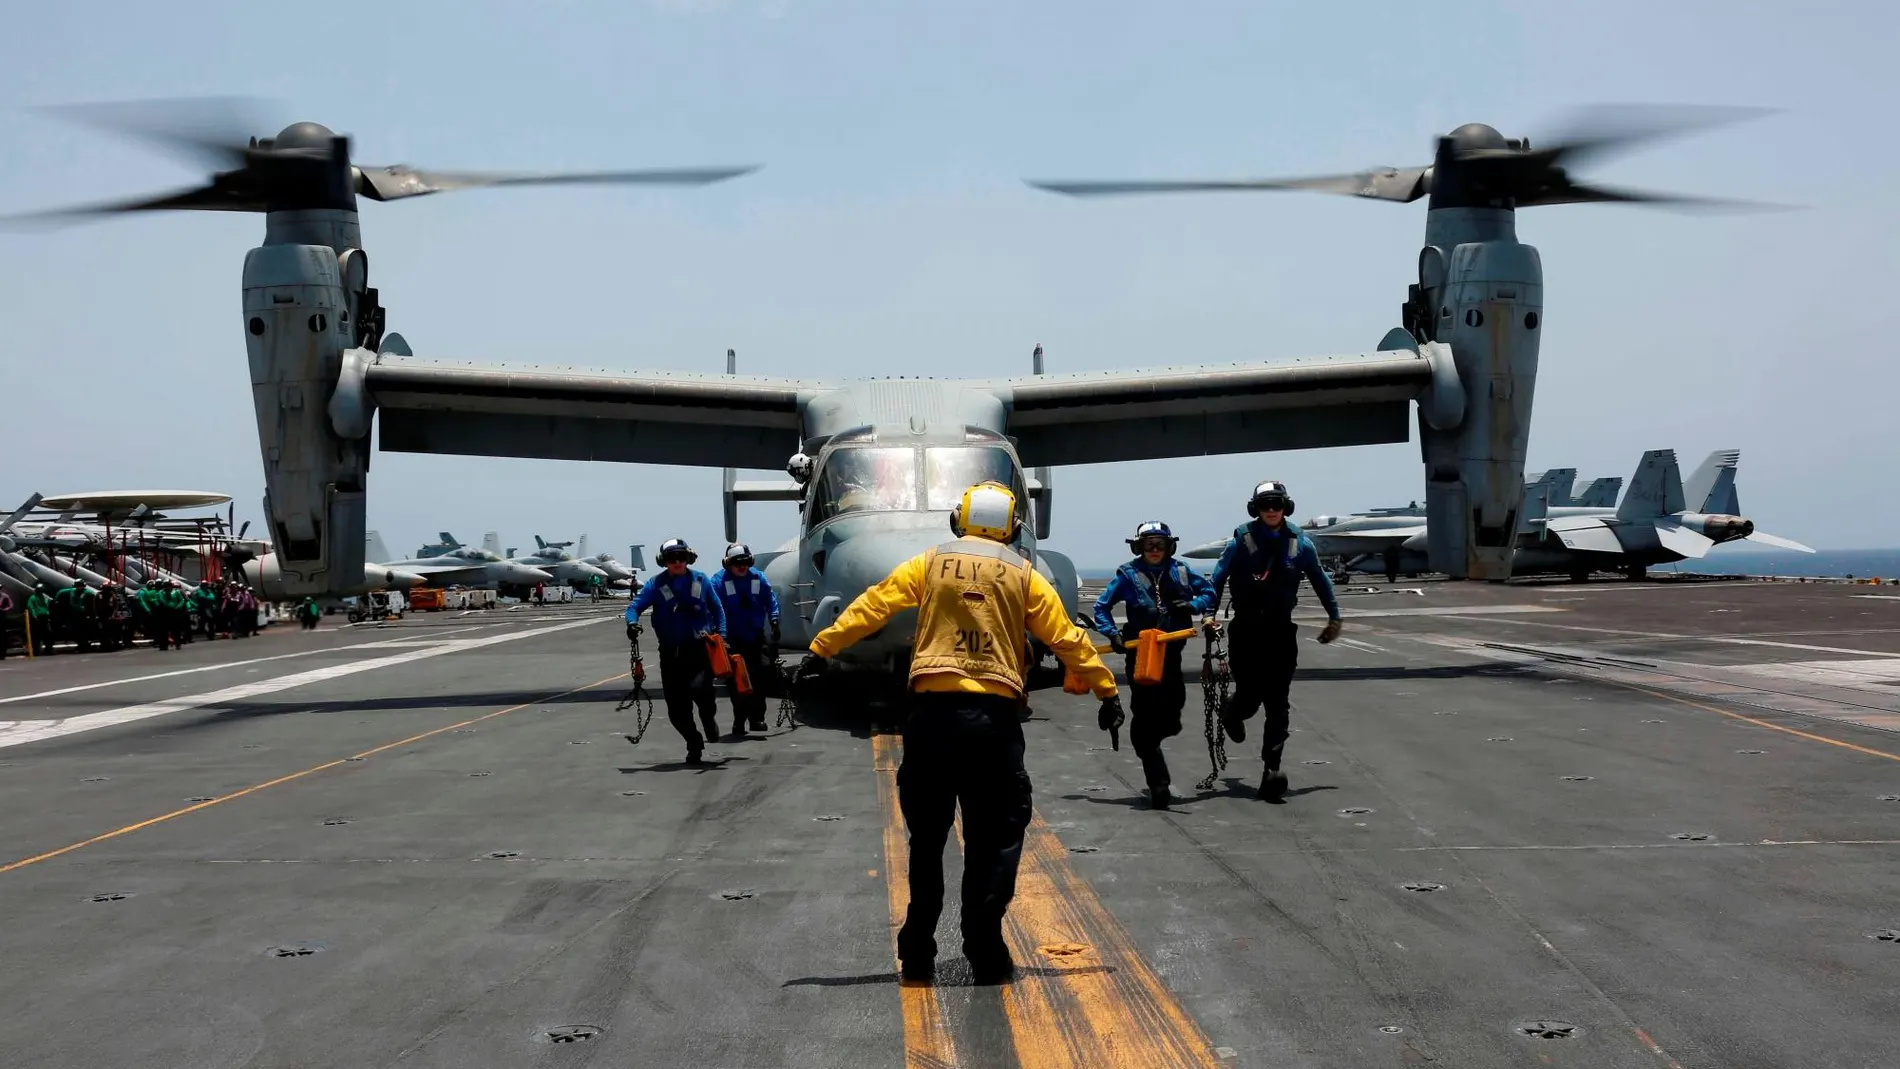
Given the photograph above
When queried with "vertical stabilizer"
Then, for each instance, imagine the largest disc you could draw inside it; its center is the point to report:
(1713, 483)
(491, 541)
(1656, 488)
(374, 551)
(582, 548)
(538, 543)
(636, 558)
(1712, 488)
(448, 540)
(1601, 493)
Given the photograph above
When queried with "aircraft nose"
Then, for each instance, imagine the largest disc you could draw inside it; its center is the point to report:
(401, 580)
(526, 576)
(588, 571)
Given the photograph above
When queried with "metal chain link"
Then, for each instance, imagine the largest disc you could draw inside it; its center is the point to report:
(637, 698)
(787, 707)
(1216, 677)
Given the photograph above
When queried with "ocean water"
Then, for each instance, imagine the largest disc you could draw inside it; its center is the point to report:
(1723, 560)
(1858, 563)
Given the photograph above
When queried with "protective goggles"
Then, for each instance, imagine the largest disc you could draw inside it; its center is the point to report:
(1274, 502)
(1155, 542)
(676, 557)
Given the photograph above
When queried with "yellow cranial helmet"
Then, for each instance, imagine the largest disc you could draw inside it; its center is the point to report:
(988, 510)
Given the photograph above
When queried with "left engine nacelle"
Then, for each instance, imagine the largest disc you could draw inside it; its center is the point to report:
(296, 320)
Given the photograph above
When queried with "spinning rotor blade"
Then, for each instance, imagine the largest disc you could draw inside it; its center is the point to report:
(397, 182)
(1604, 130)
(1385, 183)
(207, 130)
(212, 198)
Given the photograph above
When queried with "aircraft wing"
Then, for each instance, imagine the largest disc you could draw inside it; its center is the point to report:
(1381, 534)
(1094, 417)
(569, 414)
(1585, 534)
(443, 573)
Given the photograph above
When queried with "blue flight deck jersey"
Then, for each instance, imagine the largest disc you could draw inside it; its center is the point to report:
(1250, 560)
(1145, 588)
(749, 602)
(684, 607)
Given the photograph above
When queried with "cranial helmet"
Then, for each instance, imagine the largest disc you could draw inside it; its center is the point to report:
(738, 553)
(676, 549)
(1271, 492)
(1153, 529)
(988, 510)
(799, 468)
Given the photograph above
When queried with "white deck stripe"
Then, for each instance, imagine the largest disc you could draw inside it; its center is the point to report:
(19, 732)
(213, 667)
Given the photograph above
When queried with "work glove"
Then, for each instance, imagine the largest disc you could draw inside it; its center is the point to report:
(1330, 631)
(775, 632)
(1116, 643)
(1109, 718)
(1209, 624)
(633, 632)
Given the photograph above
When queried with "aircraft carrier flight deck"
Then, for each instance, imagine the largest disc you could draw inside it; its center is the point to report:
(1613, 824)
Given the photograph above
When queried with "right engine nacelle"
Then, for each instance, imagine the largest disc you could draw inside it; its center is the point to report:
(296, 318)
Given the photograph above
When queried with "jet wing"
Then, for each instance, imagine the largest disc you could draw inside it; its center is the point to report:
(1584, 534)
(1095, 417)
(569, 414)
(1376, 533)
(444, 573)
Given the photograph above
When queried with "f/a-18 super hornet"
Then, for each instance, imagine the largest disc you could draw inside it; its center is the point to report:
(462, 566)
(878, 463)
(554, 559)
(1661, 520)
(618, 574)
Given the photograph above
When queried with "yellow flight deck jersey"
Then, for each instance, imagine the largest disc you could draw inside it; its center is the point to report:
(970, 595)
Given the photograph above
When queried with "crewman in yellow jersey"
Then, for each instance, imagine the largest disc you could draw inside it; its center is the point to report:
(977, 601)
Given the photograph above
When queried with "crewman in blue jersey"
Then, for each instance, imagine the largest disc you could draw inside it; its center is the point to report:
(1264, 563)
(751, 618)
(685, 612)
(1165, 594)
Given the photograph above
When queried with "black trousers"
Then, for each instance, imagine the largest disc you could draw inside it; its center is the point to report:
(685, 683)
(963, 750)
(1263, 654)
(1154, 713)
(750, 707)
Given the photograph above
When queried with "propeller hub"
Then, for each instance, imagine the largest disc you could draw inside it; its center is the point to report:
(304, 135)
(1475, 136)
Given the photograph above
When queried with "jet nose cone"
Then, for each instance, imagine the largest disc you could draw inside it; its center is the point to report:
(404, 580)
(526, 576)
(588, 571)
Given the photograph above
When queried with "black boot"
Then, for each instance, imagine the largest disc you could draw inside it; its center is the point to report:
(1159, 798)
(1273, 786)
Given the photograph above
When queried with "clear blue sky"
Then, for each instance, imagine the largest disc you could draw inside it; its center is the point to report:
(890, 231)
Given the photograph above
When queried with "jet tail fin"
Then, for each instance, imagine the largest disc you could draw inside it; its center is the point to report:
(636, 559)
(1656, 488)
(1601, 493)
(1561, 481)
(373, 549)
(583, 548)
(1711, 488)
(491, 541)
(448, 540)
(538, 544)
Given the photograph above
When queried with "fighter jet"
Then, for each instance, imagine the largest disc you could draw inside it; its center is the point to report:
(1650, 526)
(554, 559)
(618, 574)
(462, 566)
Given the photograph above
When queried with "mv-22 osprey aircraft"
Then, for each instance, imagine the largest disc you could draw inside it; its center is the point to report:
(885, 458)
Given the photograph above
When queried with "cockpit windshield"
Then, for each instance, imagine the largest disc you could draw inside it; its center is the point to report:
(950, 470)
(866, 479)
